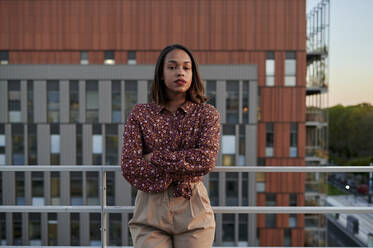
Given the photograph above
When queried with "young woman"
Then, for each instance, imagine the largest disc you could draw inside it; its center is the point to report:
(168, 146)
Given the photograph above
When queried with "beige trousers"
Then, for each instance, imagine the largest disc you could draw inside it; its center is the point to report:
(161, 220)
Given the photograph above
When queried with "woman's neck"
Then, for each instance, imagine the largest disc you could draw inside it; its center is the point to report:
(174, 104)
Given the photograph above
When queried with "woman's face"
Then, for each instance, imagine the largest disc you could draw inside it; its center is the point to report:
(177, 72)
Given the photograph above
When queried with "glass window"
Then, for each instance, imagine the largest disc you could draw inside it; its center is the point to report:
(243, 229)
(270, 69)
(76, 180)
(211, 92)
(109, 58)
(53, 101)
(130, 96)
(2, 144)
(260, 178)
(92, 101)
(241, 146)
(52, 229)
(110, 188)
(245, 102)
(228, 229)
(4, 57)
(74, 100)
(84, 58)
(270, 199)
(287, 237)
(20, 188)
(231, 189)
(111, 144)
(18, 147)
(245, 188)
(292, 220)
(132, 57)
(75, 229)
(32, 144)
(94, 229)
(293, 200)
(269, 139)
(214, 188)
(290, 69)
(97, 145)
(229, 145)
(79, 144)
(270, 220)
(116, 101)
(2, 228)
(30, 101)
(37, 188)
(14, 100)
(55, 188)
(115, 229)
(55, 144)
(92, 188)
(35, 229)
(17, 229)
(150, 84)
(232, 101)
(293, 151)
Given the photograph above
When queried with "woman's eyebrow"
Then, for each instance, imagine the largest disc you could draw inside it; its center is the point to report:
(174, 61)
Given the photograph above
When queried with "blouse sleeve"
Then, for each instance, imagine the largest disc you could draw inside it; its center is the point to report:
(136, 170)
(199, 160)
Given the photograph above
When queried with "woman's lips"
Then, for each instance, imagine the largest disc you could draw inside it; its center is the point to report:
(180, 82)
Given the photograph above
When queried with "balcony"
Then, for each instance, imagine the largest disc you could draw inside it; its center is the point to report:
(104, 210)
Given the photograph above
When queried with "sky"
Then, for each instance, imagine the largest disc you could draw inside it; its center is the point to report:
(351, 51)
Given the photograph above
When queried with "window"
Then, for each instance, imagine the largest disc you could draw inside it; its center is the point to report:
(75, 229)
(79, 144)
(214, 188)
(2, 144)
(18, 147)
(292, 220)
(229, 145)
(94, 229)
(2, 228)
(211, 92)
(270, 69)
(242, 146)
(20, 188)
(111, 144)
(97, 144)
(109, 58)
(55, 188)
(270, 199)
(228, 229)
(84, 58)
(287, 237)
(92, 100)
(37, 188)
(131, 57)
(232, 101)
(115, 229)
(245, 187)
(245, 102)
(231, 189)
(4, 57)
(92, 188)
(17, 229)
(150, 84)
(14, 100)
(53, 101)
(293, 200)
(32, 144)
(35, 229)
(74, 100)
(116, 102)
(55, 144)
(260, 181)
(269, 140)
(130, 96)
(30, 100)
(52, 229)
(243, 229)
(76, 179)
(290, 69)
(270, 220)
(293, 151)
(110, 188)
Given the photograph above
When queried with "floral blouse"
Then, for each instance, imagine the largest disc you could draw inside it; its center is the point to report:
(184, 146)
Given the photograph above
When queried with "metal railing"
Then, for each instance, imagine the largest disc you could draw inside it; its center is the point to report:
(105, 210)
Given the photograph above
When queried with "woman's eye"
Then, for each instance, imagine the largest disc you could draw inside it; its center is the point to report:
(186, 68)
(171, 67)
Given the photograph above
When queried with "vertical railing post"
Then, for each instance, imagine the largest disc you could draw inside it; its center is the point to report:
(104, 216)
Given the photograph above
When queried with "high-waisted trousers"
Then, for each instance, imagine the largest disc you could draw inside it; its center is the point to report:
(163, 221)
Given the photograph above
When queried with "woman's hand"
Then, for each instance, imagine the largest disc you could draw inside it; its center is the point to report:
(148, 156)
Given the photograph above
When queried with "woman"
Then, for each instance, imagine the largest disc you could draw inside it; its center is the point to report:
(168, 146)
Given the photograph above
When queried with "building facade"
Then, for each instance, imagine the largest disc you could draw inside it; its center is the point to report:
(71, 71)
